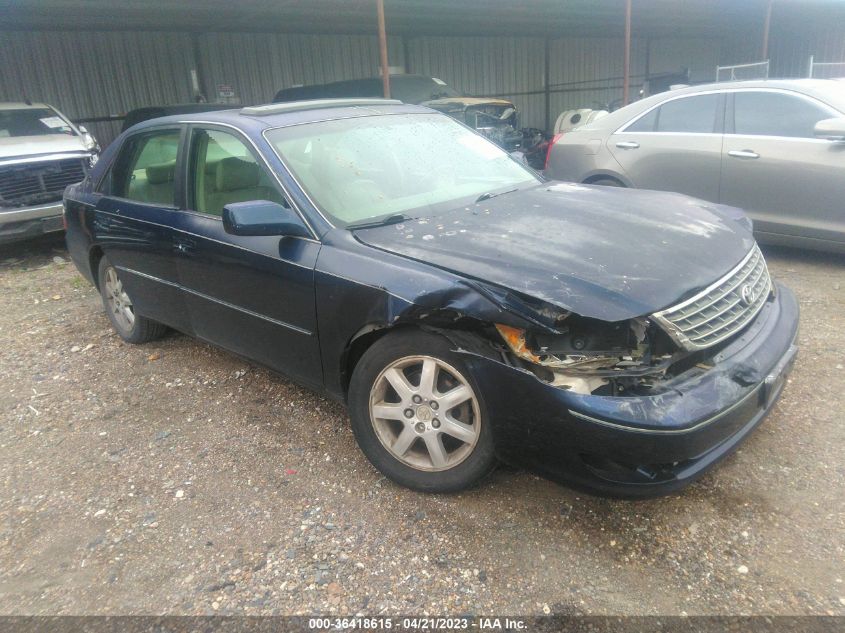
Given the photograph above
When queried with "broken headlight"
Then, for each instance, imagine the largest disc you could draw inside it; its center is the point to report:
(588, 354)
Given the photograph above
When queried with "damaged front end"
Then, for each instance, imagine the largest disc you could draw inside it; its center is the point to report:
(633, 357)
(494, 118)
(622, 408)
(589, 356)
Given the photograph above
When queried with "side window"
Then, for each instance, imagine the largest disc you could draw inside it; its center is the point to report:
(224, 171)
(690, 114)
(145, 169)
(645, 123)
(776, 114)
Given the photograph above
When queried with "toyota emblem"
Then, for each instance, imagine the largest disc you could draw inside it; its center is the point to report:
(748, 294)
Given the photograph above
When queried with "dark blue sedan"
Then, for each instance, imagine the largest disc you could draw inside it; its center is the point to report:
(466, 310)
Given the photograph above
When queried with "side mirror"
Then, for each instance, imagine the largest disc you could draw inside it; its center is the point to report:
(83, 129)
(262, 217)
(831, 129)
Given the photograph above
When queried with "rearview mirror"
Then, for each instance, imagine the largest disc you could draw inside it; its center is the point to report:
(262, 217)
(831, 129)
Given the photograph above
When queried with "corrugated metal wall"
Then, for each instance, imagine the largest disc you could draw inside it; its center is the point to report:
(587, 72)
(257, 65)
(95, 74)
(791, 50)
(88, 74)
(502, 66)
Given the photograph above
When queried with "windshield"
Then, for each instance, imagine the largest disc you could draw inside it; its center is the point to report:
(360, 169)
(33, 122)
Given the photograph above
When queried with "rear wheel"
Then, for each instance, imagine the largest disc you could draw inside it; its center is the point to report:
(418, 415)
(132, 327)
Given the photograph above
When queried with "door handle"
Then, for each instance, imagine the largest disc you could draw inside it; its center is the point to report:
(743, 153)
(627, 145)
(185, 247)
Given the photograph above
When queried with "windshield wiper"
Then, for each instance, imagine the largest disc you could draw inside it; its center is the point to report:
(491, 194)
(391, 219)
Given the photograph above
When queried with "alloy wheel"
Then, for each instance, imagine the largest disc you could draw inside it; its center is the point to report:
(118, 301)
(425, 413)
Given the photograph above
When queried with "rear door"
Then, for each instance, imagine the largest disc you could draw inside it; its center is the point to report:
(134, 215)
(676, 146)
(789, 182)
(251, 295)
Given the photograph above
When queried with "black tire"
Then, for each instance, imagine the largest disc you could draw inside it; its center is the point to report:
(139, 329)
(478, 460)
(606, 182)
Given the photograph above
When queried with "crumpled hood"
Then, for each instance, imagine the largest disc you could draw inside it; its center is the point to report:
(467, 101)
(21, 146)
(601, 252)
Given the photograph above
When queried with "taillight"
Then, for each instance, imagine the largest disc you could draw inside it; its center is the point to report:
(549, 149)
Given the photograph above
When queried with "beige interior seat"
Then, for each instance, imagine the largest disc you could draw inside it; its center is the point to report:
(154, 184)
(238, 180)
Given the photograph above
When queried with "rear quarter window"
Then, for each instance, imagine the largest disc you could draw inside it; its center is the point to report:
(696, 115)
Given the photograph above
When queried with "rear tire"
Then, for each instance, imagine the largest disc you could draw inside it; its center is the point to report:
(418, 414)
(131, 327)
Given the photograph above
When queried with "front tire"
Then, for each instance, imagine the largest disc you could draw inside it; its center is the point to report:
(418, 414)
(131, 327)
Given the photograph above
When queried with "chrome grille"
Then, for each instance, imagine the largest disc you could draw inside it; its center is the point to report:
(722, 309)
(29, 184)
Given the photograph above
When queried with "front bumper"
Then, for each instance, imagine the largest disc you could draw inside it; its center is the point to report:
(28, 222)
(643, 446)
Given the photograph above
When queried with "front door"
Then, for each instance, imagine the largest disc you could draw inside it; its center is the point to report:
(774, 168)
(676, 146)
(251, 295)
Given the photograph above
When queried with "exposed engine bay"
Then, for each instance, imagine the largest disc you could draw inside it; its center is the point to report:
(494, 118)
(589, 356)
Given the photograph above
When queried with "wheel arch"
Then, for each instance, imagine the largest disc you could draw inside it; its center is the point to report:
(471, 335)
(606, 176)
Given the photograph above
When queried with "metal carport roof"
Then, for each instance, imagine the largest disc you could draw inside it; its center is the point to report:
(651, 18)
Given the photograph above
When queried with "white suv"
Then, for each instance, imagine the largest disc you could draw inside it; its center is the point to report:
(41, 153)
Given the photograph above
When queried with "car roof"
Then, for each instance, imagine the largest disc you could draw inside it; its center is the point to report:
(400, 77)
(804, 85)
(20, 105)
(253, 119)
(822, 89)
(137, 115)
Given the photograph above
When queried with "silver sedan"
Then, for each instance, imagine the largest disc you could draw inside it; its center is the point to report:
(775, 148)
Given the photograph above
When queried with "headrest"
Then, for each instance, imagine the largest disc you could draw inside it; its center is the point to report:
(211, 168)
(234, 173)
(160, 174)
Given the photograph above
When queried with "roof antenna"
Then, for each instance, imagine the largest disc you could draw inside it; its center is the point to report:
(27, 100)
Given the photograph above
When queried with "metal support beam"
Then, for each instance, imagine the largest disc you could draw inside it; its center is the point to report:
(382, 42)
(626, 81)
(764, 53)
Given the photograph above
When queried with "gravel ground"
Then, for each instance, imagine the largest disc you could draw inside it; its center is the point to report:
(176, 478)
